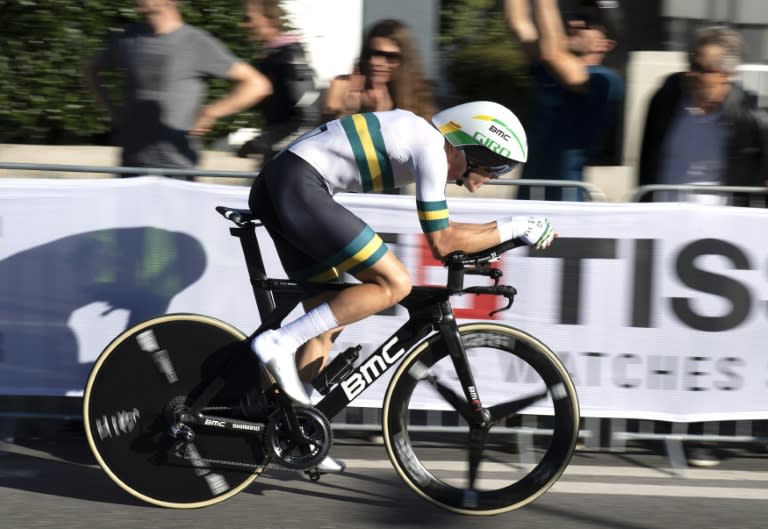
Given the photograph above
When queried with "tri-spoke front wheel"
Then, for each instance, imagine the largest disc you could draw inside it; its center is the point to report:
(530, 427)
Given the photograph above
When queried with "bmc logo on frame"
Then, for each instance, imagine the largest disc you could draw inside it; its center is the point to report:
(370, 370)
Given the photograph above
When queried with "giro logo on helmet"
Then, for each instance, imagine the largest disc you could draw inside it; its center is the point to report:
(491, 145)
(488, 126)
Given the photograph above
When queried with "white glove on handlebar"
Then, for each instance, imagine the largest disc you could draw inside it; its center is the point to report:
(536, 231)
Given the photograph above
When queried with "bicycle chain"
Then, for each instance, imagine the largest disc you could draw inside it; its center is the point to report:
(237, 464)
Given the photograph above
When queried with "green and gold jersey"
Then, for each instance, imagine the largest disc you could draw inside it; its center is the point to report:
(379, 151)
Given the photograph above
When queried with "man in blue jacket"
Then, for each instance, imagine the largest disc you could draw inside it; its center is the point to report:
(702, 127)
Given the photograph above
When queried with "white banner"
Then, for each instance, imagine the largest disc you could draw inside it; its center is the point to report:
(658, 310)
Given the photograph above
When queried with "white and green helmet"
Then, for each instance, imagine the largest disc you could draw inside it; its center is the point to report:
(489, 134)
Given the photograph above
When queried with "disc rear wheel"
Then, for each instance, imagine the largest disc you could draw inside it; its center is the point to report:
(135, 392)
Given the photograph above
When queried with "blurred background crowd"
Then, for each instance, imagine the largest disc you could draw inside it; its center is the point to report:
(62, 82)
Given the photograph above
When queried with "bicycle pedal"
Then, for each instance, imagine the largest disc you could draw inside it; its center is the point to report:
(313, 474)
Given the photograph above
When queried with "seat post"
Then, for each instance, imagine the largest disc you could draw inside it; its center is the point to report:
(265, 300)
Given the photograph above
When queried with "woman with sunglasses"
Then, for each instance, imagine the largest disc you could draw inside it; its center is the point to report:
(317, 238)
(389, 75)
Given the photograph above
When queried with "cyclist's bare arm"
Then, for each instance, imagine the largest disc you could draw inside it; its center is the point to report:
(474, 238)
(470, 238)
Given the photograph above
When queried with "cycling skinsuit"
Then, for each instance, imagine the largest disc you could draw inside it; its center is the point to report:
(317, 238)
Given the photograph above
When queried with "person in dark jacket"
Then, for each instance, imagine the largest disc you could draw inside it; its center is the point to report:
(294, 106)
(702, 126)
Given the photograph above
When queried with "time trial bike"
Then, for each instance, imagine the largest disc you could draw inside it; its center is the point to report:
(179, 412)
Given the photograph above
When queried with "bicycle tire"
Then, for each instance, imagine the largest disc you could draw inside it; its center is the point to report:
(125, 409)
(418, 451)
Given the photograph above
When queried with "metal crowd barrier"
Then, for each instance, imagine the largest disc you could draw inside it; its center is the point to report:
(587, 191)
(596, 433)
(715, 194)
(133, 171)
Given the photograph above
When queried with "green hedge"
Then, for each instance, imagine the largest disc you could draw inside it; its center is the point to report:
(43, 48)
(484, 61)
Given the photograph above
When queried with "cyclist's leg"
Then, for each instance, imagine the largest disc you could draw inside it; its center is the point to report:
(313, 355)
(383, 284)
(317, 239)
(311, 359)
(377, 292)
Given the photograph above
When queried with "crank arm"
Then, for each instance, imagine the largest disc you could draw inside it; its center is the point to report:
(226, 423)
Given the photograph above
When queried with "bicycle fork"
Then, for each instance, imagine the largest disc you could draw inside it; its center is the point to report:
(477, 417)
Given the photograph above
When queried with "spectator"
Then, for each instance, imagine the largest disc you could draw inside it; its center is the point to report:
(293, 107)
(576, 98)
(389, 75)
(702, 127)
(166, 64)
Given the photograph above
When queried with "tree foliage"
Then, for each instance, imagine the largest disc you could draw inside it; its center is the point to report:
(483, 60)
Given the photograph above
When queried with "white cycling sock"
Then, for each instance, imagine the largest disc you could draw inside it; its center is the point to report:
(295, 334)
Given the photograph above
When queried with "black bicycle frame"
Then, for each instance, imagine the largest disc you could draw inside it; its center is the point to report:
(429, 310)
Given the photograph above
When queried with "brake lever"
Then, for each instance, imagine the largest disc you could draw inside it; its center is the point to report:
(509, 305)
(509, 293)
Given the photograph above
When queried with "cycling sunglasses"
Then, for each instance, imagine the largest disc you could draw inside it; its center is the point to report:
(495, 171)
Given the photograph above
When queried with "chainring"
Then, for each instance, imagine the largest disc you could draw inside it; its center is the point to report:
(299, 450)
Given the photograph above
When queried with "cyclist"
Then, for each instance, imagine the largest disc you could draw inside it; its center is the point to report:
(317, 238)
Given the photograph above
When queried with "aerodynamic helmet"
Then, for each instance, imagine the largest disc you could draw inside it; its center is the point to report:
(490, 135)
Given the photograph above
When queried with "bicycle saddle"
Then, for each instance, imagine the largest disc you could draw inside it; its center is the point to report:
(241, 217)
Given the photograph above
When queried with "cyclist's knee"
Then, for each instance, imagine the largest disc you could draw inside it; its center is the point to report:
(394, 287)
(398, 287)
(391, 276)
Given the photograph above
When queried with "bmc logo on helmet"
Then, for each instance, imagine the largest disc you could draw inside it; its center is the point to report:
(491, 145)
(498, 132)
